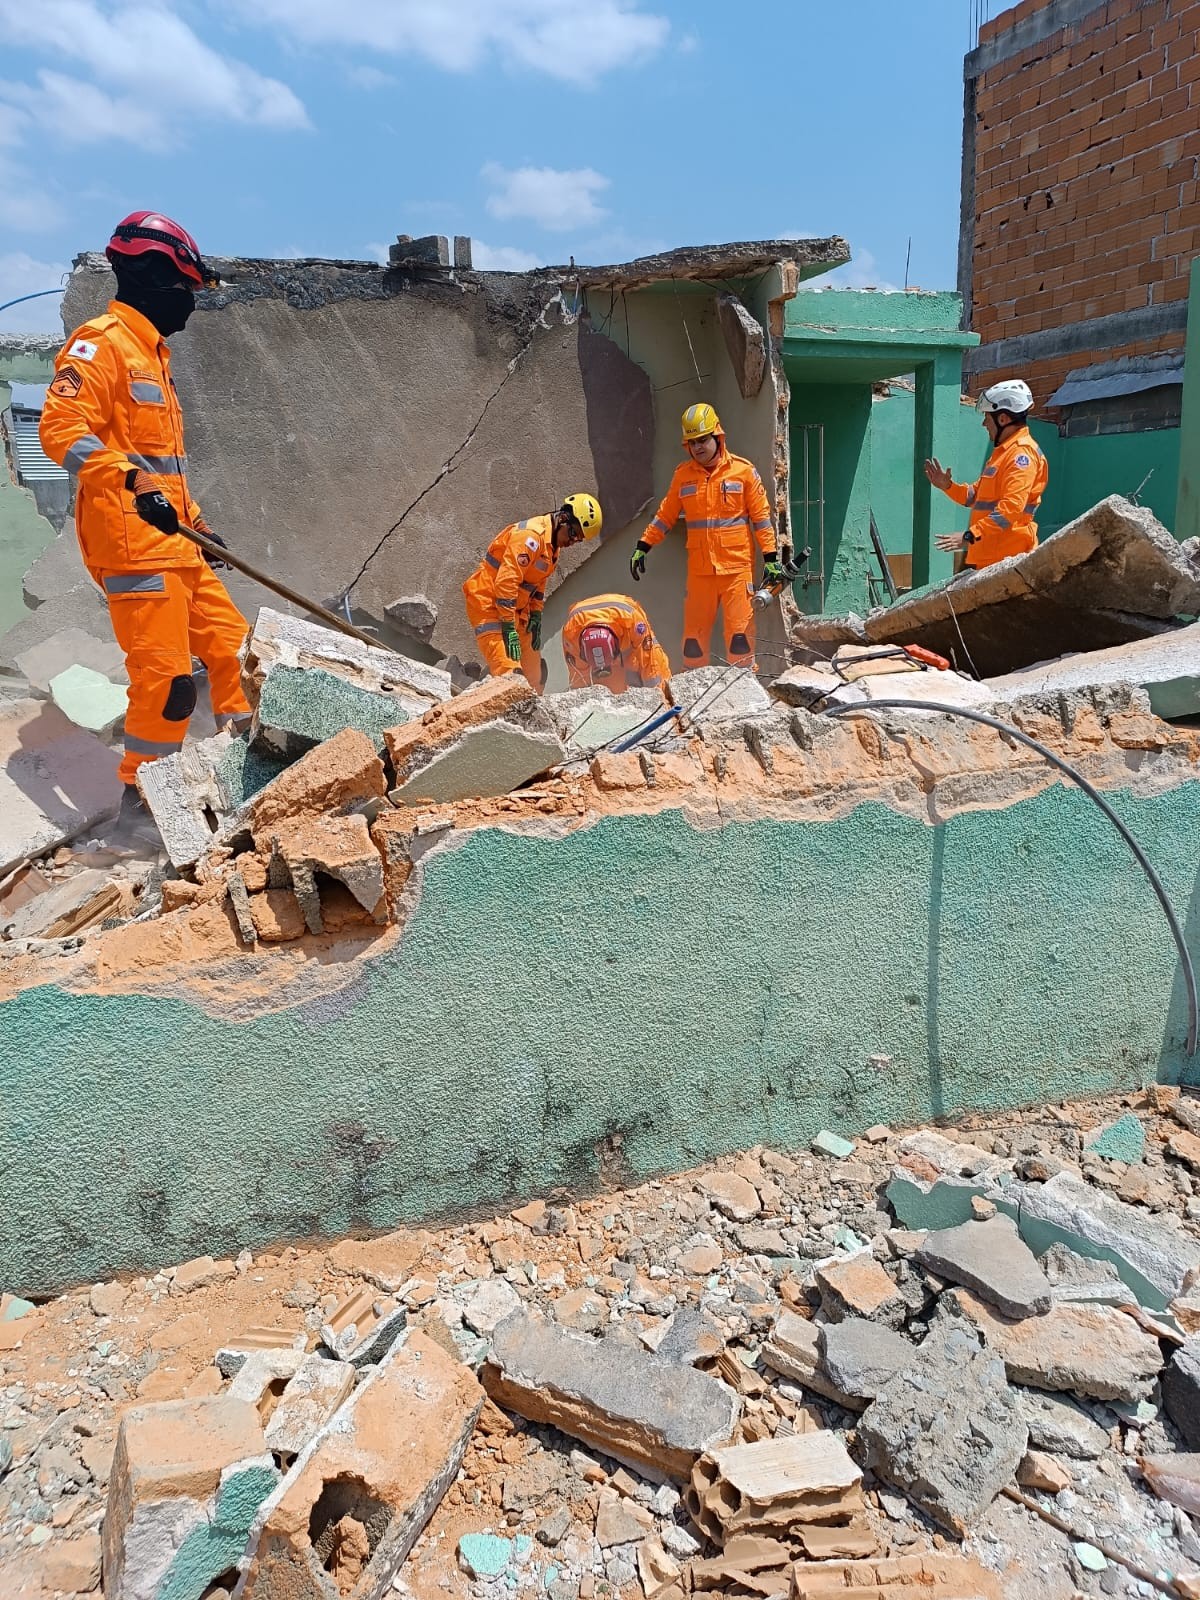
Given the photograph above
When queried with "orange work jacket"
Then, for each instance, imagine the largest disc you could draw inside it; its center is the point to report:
(112, 406)
(726, 511)
(1003, 501)
(516, 568)
(642, 656)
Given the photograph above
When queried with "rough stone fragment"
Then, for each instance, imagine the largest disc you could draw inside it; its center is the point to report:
(107, 1299)
(1061, 1426)
(948, 1431)
(277, 916)
(357, 1333)
(701, 1260)
(302, 707)
(414, 612)
(183, 794)
(732, 1195)
(310, 1399)
(857, 1358)
(339, 847)
(1153, 1254)
(769, 1485)
(653, 1415)
(69, 1566)
(388, 1261)
(1041, 1471)
(486, 1304)
(746, 343)
(201, 1273)
(264, 1373)
(484, 1555)
(620, 1521)
(66, 908)
(859, 1287)
(493, 759)
(335, 776)
(56, 780)
(1181, 1391)
(794, 1348)
(992, 1259)
(1087, 1350)
(1123, 1140)
(411, 747)
(708, 695)
(693, 1336)
(386, 1461)
(1174, 1478)
(168, 1465)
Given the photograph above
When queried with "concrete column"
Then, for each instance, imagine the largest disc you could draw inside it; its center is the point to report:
(934, 433)
(1187, 505)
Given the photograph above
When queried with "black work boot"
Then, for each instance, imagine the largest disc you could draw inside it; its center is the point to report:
(135, 828)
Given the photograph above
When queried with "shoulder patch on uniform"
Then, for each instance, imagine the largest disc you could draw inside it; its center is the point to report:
(531, 543)
(67, 383)
(1022, 460)
(84, 349)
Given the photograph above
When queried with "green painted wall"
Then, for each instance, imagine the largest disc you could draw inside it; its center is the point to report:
(1086, 469)
(963, 448)
(737, 984)
(23, 535)
(845, 412)
(1187, 524)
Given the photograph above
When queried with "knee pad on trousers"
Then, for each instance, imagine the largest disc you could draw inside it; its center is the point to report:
(691, 649)
(181, 699)
(739, 645)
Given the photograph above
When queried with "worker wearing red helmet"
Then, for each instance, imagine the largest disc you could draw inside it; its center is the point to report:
(725, 509)
(113, 420)
(608, 640)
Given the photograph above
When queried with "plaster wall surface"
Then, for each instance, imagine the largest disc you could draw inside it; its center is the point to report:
(745, 980)
(24, 532)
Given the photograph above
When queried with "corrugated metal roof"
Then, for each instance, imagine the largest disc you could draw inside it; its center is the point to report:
(32, 462)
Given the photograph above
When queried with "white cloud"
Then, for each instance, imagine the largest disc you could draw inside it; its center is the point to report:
(21, 274)
(25, 203)
(146, 76)
(370, 78)
(546, 196)
(502, 258)
(574, 40)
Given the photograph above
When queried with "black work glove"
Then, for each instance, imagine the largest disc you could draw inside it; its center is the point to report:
(214, 538)
(150, 503)
(535, 629)
(637, 561)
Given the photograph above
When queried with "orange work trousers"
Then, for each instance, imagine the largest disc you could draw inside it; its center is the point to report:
(161, 620)
(733, 593)
(489, 638)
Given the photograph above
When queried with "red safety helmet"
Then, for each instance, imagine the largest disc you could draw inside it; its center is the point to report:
(149, 232)
(600, 650)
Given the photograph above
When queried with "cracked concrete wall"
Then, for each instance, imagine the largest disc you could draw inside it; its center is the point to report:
(753, 973)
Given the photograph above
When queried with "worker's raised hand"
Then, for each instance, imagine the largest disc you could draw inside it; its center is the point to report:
(951, 541)
(535, 629)
(938, 475)
(150, 503)
(637, 561)
(512, 640)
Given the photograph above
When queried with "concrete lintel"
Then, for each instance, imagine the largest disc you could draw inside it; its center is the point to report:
(714, 262)
(1044, 24)
(1075, 338)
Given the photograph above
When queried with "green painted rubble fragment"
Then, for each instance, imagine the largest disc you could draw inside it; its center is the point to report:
(300, 707)
(213, 1546)
(90, 699)
(1123, 1140)
(242, 771)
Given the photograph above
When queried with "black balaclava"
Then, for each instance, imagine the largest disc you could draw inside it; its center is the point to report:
(153, 285)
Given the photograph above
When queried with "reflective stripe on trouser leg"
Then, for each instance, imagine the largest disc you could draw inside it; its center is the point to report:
(737, 613)
(699, 614)
(489, 638)
(216, 631)
(152, 631)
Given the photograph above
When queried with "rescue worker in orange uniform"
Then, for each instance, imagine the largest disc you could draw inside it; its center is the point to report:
(722, 501)
(1004, 500)
(113, 420)
(608, 640)
(506, 593)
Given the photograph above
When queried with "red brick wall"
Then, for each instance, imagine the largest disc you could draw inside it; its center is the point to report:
(1087, 175)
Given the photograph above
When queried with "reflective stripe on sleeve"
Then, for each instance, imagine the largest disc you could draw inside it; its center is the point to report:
(80, 451)
(487, 627)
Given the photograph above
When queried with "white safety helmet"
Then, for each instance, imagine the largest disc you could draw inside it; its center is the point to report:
(1013, 395)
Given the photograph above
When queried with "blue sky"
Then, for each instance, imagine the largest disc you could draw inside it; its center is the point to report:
(601, 129)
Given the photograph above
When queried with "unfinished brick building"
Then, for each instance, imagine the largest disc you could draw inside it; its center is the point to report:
(1081, 205)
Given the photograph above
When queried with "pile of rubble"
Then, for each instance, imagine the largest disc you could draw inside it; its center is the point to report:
(961, 1366)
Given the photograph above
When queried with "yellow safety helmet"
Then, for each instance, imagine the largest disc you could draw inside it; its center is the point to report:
(585, 508)
(699, 420)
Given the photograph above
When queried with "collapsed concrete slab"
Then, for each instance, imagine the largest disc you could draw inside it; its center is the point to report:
(1112, 575)
(371, 1478)
(281, 640)
(716, 694)
(654, 1416)
(991, 1258)
(1166, 665)
(299, 707)
(489, 741)
(56, 780)
(588, 719)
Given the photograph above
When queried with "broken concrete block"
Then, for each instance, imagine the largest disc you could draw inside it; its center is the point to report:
(334, 777)
(231, 1358)
(992, 1259)
(858, 1358)
(654, 1416)
(184, 796)
(1181, 1391)
(1153, 1254)
(90, 700)
(588, 719)
(707, 695)
(56, 780)
(948, 1431)
(282, 640)
(388, 1261)
(489, 760)
(70, 907)
(1165, 668)
(857, 1286)
(339, 847)
(302, 707)
(415, 612)
(1087, 1350)
(768, 1486)
(1174, 1478)
(165, 1484)
(746, 342)
(263, 1376)
(201, 1273)
(486, 1303)
(936, 1576)
(373, 1475)
(277, 916)
(313, 1393)
(732, 1195)
(832, 1144)
(1061, 1426)
(70, 647)
(794, 1348)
